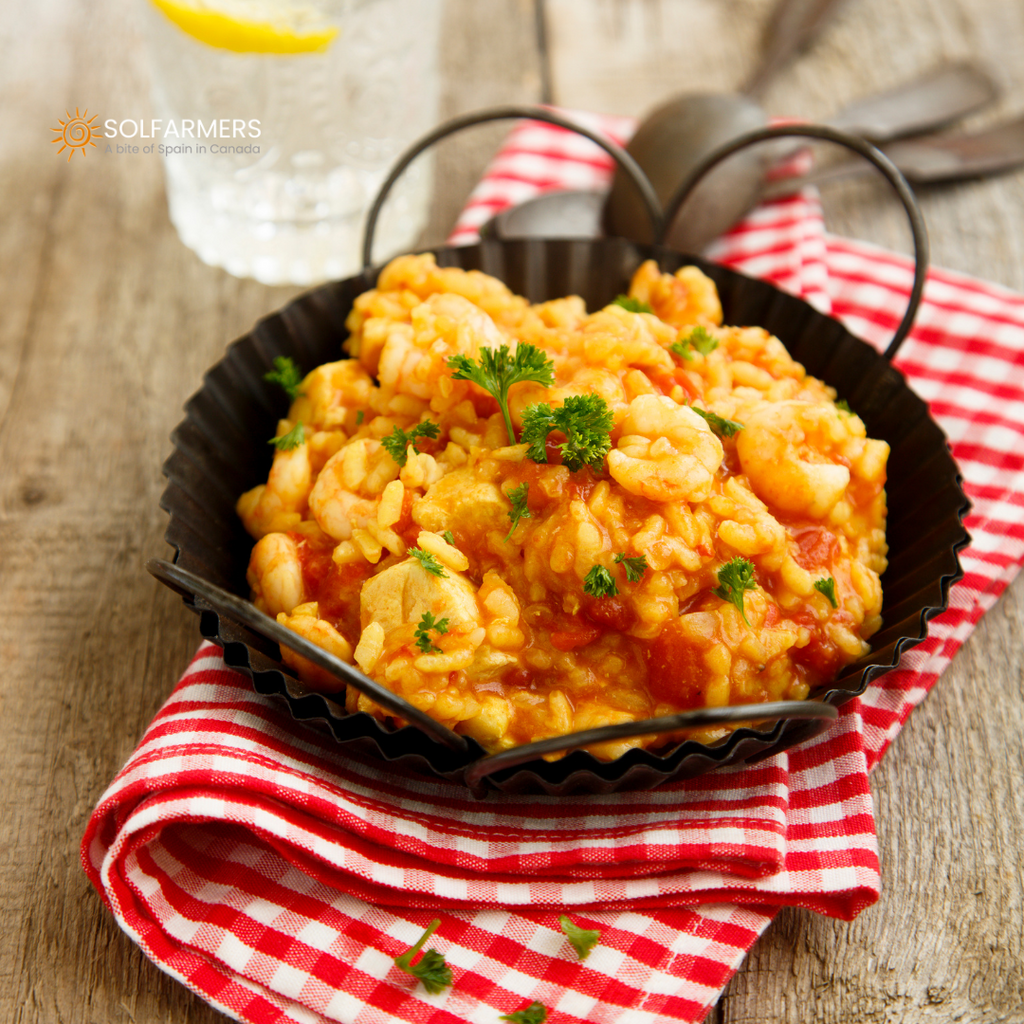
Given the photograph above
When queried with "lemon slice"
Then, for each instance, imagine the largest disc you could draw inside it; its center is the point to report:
(230, 32)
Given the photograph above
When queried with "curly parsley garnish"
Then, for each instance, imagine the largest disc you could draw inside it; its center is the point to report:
(699, 339)
(519, 510)
(635, 566)
(719, 424)
(398, 441)
(583, 939)
(733, 579)
(294, 437)
(827, 586)
(498, 369)
(538, 422)
(431, 968)
(599, 582)
(448, 536)
(633, 305)
(844, 406)
(535, 1013)
(702, 341)
(429, 562)
(586, 422)
(287, 374)
(428, 623)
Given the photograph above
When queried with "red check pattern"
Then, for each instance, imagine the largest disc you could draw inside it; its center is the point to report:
(278, 879)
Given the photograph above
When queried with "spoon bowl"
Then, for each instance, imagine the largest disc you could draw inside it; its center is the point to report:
(669, 144)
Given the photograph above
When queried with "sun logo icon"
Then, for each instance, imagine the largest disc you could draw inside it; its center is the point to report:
(76, 132)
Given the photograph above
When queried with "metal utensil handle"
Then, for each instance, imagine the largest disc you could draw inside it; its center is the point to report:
(696, 719)
(792, 26)
(859, 146)
(225, 603)
(618, 154)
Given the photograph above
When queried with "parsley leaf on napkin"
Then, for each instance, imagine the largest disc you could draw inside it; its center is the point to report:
(431, 968)
(583, 939)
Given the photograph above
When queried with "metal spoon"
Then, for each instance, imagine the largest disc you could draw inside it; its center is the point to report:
(935, 158)
(674, 139)
(926, 103)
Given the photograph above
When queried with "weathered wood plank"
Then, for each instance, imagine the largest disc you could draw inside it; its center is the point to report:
(628, 56)
(944, 943)
(109, 323)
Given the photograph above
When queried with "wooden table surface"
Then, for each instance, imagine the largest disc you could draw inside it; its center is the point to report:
(108, 324)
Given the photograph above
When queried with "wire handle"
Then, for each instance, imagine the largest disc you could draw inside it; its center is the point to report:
(853, 142)
(188, 584)
(698, 718)
(516, 112)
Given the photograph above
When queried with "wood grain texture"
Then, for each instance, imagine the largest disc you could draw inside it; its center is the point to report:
(944, 943)
(108, 325)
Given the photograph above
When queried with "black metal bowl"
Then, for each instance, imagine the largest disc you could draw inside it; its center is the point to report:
(220, 451)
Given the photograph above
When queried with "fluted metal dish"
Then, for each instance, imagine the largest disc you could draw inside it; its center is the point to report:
(220, 452)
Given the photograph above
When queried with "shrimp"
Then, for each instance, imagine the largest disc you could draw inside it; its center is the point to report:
(685, 299)
(666, 452)
(280, 502)
(616, 338)
(414, 357)
(305, 620)
(587, 380)
(275, 574)
(789, 452)
(331, 395)
(348, 490)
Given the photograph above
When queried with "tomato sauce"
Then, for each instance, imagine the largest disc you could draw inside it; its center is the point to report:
(817, 547)
(335, 588)
(821, 657)
(676, 673)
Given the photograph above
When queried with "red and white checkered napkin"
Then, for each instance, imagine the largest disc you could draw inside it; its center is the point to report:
(279, 879)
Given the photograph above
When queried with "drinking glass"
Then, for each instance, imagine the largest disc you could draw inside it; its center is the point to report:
(278, 121)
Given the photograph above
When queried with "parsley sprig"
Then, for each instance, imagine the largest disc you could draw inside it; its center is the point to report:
(429, 562)
(586, 422)
(426, 624)
(719, 424)
(535, 1013)
(583, 939)
(294, 437)
(599, 582)
(519, 510)
(498, 369)
(733, 579)
(287, 374)
(827, 586)
(635, 566)
(398, 441)
(699, 339)
(431, 968)
(633, 305)
(702, 341)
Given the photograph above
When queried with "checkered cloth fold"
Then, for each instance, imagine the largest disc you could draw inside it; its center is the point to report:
(278, 879)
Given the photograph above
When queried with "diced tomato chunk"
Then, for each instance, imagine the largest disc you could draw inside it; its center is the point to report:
(817, 547)
(612, 612)
(675, 668)
(569, 639)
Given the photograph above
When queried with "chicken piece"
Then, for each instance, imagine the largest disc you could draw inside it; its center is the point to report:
(403, 592)
(464, 503)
